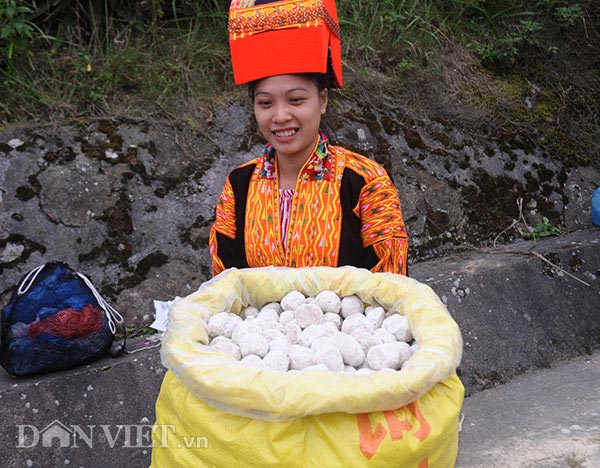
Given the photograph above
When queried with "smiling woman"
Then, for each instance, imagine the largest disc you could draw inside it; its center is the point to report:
(288, 110)
(304, 202)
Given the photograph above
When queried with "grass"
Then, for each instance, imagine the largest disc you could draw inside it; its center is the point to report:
(85, 65)
(168, 59)
(131, 83)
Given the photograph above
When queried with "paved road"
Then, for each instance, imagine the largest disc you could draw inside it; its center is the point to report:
(545, 419)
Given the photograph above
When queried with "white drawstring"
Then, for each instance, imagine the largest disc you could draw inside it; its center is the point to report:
(29, 279)
(111, 314)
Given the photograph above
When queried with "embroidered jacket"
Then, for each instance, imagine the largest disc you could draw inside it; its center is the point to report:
(345, 211)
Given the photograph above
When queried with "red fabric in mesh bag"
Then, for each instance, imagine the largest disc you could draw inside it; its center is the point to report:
(69, 323)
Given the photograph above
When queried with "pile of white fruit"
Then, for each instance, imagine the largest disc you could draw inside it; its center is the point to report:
(324, 332)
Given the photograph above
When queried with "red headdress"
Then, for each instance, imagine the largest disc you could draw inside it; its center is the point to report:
(280, 37)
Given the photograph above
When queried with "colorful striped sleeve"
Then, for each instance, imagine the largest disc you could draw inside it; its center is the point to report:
(382, 224)
(224, 225)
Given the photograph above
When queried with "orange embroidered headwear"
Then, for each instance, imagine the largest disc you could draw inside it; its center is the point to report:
(277, 37)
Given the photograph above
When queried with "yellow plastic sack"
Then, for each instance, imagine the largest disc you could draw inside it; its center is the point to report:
(214, 412)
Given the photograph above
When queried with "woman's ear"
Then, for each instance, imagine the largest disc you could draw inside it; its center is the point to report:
(323, 94)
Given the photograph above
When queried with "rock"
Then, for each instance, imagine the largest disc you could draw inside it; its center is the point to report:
(130, 204)
(11, 252)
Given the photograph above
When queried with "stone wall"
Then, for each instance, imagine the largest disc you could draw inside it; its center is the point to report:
(130, 203)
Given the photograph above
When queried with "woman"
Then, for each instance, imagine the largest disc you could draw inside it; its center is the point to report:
(304, 202)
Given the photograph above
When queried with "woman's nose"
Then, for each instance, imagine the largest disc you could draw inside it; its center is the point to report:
(280, 113)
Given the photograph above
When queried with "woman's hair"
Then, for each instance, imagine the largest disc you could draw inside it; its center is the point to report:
(321, 80)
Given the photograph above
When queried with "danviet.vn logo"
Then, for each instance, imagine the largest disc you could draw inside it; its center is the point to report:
(57, 434)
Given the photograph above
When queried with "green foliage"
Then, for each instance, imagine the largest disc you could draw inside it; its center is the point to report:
(144, 330)
(570, 14)
(499, 31)
(16, 31)
(387, 23)
(107, 51)
(543, 229)
(505, 47)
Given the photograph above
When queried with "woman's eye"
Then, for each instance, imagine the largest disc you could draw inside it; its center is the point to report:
(296, 100)
(263, 103)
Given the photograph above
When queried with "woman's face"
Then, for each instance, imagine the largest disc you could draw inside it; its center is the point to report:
(288, 110)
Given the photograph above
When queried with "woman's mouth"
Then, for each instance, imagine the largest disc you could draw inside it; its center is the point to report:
(285, 133)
